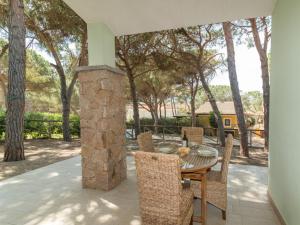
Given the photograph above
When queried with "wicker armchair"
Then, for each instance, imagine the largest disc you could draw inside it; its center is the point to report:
(145, 142)
(217, 181)
(163, 200)
(194, 134)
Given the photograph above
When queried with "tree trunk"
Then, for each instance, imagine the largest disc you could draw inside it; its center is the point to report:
(67, 92)
(193, 110)
(65, 110)
(160, 113)
(262, 51)
(165, 109)
(172, 107)
(238, 105)
(152, 114)
(66, 122)
(266, 96)
(175, 109)
(156, 120)
(14, 137)
(135, 104)
(212, 101)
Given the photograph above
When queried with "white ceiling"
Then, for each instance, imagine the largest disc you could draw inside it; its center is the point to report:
(138, 16)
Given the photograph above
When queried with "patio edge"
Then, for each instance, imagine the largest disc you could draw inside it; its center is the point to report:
(276, 210)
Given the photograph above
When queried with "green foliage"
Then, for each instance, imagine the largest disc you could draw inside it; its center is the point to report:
(222, 93)
(2, 123)
(42, 91)
(172, 125)
(213, 120)
(184, 121)
(253, 102)
(43, 125)
(251, 122)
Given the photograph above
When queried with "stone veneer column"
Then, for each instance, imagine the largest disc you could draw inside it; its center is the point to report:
(102, 121)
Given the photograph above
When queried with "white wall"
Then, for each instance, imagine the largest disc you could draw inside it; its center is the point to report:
(284, 183)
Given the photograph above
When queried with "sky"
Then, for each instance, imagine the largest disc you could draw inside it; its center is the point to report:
(248, 70)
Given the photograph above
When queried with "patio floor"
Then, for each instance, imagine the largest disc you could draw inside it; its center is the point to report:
(53, 195)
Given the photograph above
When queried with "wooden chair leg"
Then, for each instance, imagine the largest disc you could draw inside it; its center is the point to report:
(204, 200)
(224, 214)
(191, 223)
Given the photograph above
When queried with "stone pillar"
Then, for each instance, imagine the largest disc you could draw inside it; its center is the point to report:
(102, 120)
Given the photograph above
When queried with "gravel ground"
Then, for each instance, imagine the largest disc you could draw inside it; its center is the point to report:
(40, 153)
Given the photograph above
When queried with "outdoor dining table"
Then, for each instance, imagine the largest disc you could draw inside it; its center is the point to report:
(195, 166)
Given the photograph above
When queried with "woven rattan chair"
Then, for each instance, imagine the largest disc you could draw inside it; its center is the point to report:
(163, 200)
(194, 134)
(217, 181)
(145, 142)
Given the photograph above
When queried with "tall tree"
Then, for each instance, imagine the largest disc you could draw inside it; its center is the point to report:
(56, 30)
(153, 89)
(40, 82)
(194, 46)
(263, 24)
(227, 27)
(253, 102)
(222, 93)
(133, 52)
(14, 146)
(192, 81)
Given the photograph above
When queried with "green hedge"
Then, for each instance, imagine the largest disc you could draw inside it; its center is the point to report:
(171, 124)
(164, 122)
(43, 125)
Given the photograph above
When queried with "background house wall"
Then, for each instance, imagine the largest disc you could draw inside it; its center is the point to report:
(204, 120)
(284, 183)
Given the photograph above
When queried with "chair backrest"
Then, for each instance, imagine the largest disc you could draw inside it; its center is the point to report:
(226, 158)
(159, 184)
(145, 142)
(194, 134)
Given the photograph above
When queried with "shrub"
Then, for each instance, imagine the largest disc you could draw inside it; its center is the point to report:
(184, 121)
(171, 124)
(43, 125)
(75, 125)
(2, 123)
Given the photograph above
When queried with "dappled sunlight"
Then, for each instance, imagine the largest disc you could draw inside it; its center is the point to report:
(135, 221)
(53, 174)
(92, 205)
(39, 153)
(80, 218)
(109, 204)
(12, 182)
(105, 218)
(59, 199)
(54, 195)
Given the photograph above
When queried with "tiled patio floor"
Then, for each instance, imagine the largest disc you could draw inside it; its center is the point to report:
(53, 196)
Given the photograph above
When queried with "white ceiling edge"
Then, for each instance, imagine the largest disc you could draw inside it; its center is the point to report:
(139, 16)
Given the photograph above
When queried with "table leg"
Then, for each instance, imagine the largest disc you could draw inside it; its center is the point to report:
(204, 199)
